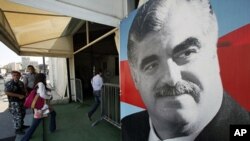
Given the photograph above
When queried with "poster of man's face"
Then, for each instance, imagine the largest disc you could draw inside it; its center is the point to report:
(178, 65)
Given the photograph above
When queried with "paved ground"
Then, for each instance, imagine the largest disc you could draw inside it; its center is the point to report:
(7, 132)
(6, 126)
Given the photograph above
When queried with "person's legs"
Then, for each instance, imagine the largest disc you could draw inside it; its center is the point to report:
(31, 130)
(97, 95)
(23, 113)
(52, 125)
(22, 110)
(17, 113)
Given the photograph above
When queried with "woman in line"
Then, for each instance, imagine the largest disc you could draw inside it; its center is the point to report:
(44, 92)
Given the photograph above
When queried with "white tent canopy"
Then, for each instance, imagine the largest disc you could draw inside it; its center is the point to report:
(107, 12)
(27, 30)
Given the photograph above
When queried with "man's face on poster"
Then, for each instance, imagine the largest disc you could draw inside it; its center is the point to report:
(177, 71)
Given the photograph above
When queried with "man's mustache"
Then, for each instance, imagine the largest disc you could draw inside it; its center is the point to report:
(181, 87)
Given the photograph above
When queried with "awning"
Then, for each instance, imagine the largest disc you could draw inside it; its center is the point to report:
(107, 12)
(32, 32)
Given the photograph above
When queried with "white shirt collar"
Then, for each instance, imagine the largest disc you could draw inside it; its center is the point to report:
(154, 137)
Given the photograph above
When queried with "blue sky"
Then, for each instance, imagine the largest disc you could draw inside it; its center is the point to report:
(231, 14)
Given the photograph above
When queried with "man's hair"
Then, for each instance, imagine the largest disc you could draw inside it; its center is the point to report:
(98, 71)
(31, 66)
(153, 16)
(15, 72)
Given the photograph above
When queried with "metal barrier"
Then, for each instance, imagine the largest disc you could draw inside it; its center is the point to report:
(110, 104)
(2, 86)
(78, 93)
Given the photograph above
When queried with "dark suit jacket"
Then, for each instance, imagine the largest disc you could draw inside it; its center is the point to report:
(136, 127)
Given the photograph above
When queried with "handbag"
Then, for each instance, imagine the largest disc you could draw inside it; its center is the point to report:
(34, 101)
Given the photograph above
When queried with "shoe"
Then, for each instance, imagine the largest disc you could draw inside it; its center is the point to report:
(25, 127)
(89, 117)
(19, 132)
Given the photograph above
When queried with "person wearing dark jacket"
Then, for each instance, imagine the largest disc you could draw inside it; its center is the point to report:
(15, 91)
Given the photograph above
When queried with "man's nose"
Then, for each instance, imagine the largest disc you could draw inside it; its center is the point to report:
(172, 73)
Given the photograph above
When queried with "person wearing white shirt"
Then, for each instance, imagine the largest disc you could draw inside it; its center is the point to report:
(42, 91)
(45, 93)
(97, 83)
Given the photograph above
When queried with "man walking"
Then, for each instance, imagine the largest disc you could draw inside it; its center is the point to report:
(97, 83)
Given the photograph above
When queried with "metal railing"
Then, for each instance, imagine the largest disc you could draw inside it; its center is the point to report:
(78, 96)
(110, 104)
(2, 86)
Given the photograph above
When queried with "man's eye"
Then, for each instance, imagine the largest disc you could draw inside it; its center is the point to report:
(150, 67)
(186, 55)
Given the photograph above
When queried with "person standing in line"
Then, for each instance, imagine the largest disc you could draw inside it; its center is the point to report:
(15, 91)
(29, 79)
(39, 114)
(97, 83)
